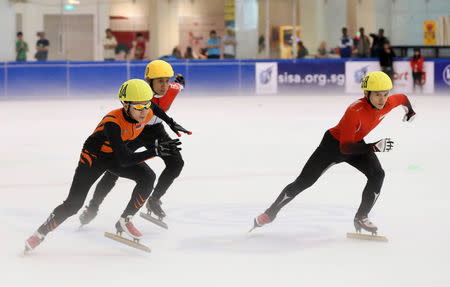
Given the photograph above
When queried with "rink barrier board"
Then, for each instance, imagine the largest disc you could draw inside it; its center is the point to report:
(209, 77)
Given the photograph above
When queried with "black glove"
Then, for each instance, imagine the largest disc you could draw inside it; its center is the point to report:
(180, 80)
(409, 116)
(383, 145)
(166, 148)
(176, 128)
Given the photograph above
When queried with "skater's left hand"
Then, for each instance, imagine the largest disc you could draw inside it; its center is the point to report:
(167, 148)
(180, 80)
(409, 116)
(176, 128)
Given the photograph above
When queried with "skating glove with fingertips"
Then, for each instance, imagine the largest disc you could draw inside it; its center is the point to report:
(180, 80)
(383, 145)
(409, 115)
(166, 148)
(176, 128)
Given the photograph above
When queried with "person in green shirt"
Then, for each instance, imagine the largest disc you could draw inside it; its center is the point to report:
(21, 48)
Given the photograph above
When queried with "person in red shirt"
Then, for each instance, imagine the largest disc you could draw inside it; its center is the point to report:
(157, 75)
(345, 143)
(417, 69)
(139, 47)
(106, 150)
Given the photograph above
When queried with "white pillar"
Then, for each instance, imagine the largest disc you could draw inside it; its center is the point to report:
(247, 29)
(312, 24)
(102, 23)
(8, 31)
(32, 22)
(164, 27)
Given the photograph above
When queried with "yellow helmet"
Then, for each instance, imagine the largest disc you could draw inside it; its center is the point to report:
(376, 81)
(158, 69)
(135, 90)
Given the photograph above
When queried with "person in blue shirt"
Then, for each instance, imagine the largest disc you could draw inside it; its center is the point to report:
(346, 44)
(214, 45)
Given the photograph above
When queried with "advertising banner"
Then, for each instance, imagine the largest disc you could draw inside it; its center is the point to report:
(355, 72)
(403, 81)
(314, 75)
(442, 76)
(266, 77)
(429, 32)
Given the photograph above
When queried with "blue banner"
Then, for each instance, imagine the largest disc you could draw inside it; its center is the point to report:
(442, 76)
(312, 74)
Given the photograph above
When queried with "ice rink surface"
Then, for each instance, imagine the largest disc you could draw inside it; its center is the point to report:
(243, 151)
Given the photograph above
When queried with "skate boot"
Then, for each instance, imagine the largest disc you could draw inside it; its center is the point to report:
(125, 224)
(261, 220)
(88, 215)
(363, 222)
(154, 205)
(33, 241)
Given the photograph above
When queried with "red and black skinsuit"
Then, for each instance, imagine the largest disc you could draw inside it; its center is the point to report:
(345, 143)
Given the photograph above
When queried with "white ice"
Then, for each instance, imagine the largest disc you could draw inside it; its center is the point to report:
(243, 151)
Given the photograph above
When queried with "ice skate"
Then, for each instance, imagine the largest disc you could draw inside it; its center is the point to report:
(363, 223)
(261, 220)
(154, 206)
(125, 225)
(34, 240)
(88, 215)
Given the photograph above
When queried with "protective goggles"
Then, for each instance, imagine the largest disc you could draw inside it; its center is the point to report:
(140, 107)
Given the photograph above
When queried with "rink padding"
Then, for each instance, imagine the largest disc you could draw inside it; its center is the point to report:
(208, 77)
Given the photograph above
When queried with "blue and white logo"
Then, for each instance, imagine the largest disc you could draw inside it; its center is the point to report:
(265, 75)
(446, 75)
(360, 74)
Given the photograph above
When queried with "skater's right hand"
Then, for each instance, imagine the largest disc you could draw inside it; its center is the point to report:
(166, 148)
(383, 145)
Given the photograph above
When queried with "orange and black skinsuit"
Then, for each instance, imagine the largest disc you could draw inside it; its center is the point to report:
(106, 149)
(154, 130)
(345, 143)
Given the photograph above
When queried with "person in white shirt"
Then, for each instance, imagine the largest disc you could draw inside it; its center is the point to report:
(109, 46)
(229, 44)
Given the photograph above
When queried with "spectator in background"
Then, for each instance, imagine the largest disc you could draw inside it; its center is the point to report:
(189, 54)
(322, 50)
(203, 54)
(346, 47)
(301, 50)
(214, 45)
(387, 60)
(177, 53)
(21, 48)
(229, 44)
(378, 42)
(139, 47)
(417, 69)
(109, 46)
(42, 47)
(362, 45)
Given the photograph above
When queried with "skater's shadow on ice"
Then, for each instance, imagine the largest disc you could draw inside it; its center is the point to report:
(262, 241)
